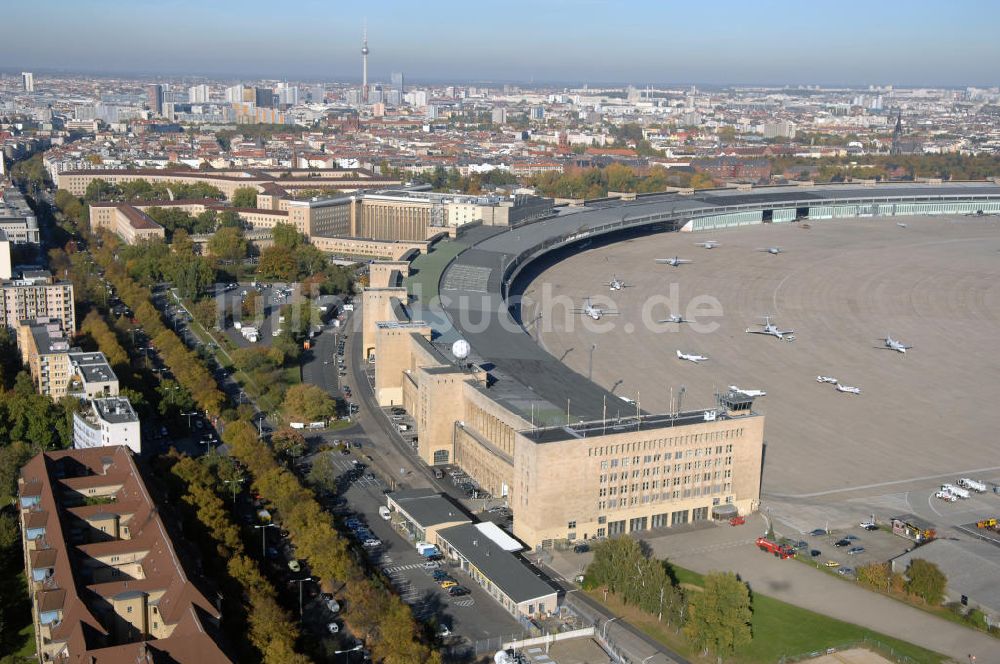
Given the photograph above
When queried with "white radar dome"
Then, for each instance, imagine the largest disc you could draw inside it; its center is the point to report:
(460, 349)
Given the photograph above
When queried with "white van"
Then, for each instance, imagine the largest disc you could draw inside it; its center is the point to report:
(384, 513)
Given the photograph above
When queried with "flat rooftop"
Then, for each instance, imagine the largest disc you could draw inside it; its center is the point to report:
(502, 568)
(427, 507)
(625, 424)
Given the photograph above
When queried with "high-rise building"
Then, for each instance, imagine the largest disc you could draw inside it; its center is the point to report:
(500, 115)
(234, 94)
(397, 82)
(28, 81)
(364, 66)
(287, 94)
(198, 94)
(263, 97)
(154, 98)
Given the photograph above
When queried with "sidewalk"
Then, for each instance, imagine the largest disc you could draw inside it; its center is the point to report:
(732, 549)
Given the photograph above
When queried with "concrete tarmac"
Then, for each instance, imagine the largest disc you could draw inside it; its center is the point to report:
(841, 285)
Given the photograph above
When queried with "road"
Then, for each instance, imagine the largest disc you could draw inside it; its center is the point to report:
(723, 548)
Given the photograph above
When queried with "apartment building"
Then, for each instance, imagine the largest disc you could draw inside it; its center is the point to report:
(17, 219)
(57, 368)
(108, 421)
(34, 294)
(107, 584)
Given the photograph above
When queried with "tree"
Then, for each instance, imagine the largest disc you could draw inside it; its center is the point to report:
(324, 473)
(702, 181)
(289, 443)
(719, 616)
(308, 403)
(286, 236)
(925, 580)
(173, 400)
(245, 197)
(228, 244)
(278, 262)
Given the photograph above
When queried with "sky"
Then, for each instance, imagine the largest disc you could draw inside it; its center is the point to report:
(724, 42)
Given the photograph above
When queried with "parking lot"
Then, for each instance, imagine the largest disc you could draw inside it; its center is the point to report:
(469, 617)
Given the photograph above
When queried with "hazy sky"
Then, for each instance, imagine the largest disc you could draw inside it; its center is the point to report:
(915, 42)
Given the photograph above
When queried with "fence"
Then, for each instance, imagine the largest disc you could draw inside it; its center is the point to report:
(866, 643)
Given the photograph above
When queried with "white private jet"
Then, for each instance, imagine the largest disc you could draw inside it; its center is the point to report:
(901, 224)
(594, 311)
(616, 283)
(673, 262)
(691, 358)
(771, 250)
(772, 330)
(748, 393)
(826, 379)
(708, 244)
(894, 344)
(674, 318)
(849, 390)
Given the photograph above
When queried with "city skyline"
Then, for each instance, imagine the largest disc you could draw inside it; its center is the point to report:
(555, 41)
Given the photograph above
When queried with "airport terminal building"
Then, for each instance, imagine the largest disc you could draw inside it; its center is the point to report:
(571, 459)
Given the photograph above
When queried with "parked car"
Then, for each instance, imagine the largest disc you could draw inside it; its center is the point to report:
(818, 532)
(372, 542)
(815, 553)
(458, 591)
(333, 628)
(832, 563)
(842, 542)
(448, 583)
(855, 550)
(851, 538)
(431, 565)
(869, 525)
(581, 548)
(332, 605)
(440, 575)
(294, 565)
(443, 631)
(844, 571)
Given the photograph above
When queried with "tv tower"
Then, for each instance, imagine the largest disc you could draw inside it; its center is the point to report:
(364, 65)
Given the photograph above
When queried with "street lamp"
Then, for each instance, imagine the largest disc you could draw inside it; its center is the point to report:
(300, 582)
(193, 412)
(649, 658)
(236, 483)
(348, 651)
(604, 632)
(590, 370)
(263, 537)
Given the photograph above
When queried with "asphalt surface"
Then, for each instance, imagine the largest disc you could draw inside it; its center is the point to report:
(840, 285)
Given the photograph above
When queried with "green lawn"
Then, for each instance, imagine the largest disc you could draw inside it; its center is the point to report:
(779, 630)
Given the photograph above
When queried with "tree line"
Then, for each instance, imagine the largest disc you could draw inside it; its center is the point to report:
(597, 182)
(257, 624)
(715, 619)
(374, 614)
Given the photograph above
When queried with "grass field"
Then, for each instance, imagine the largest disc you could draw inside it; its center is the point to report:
(779, 630)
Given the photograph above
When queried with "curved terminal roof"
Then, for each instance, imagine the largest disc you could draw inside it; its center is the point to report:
(474, 286)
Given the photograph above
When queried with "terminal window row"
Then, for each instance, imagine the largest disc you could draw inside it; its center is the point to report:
(676, 494)
(656, 470)
(656, 458)
(661, 443)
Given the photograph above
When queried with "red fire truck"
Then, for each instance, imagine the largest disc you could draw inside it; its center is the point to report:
(782, 551)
